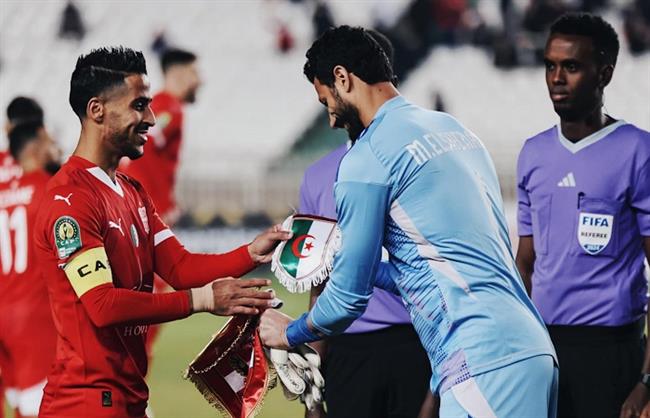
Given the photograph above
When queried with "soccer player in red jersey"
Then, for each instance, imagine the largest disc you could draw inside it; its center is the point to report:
(99, 239)
(20, 110)
(156, 170)
(27, 335)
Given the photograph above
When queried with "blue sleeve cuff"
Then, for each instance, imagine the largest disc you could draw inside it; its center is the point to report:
(299, 333)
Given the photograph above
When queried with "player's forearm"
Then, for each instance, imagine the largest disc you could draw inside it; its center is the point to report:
(361, 207)
(185, 270)
(107, 305)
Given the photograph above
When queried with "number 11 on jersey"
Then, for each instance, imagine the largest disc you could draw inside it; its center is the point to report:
(13, 256)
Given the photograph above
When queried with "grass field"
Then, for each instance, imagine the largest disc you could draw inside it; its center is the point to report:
(178, 344)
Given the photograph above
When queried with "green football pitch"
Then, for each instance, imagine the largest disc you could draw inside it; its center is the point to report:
(173, 397)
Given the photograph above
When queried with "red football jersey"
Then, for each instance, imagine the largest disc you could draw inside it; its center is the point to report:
(101, 359)
(27, 335)
(156, 169)
(8, 167)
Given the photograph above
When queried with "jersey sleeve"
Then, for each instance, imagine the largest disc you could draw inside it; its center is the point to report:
(640, 199)
(362, 196)
(73, 227)
(73, 223)
(524, 222)
(182, 269)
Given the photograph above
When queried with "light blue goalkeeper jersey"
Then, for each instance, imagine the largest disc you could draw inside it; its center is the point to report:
(424, 186)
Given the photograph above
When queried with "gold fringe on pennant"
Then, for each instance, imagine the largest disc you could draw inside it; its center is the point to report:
(207, 393)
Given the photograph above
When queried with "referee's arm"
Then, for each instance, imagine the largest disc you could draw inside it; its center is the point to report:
(638, 401)
(525, 261)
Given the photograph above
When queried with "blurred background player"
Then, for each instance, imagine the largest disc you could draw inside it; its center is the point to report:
(99, 240)
(156, 170)
(20, 110)
(27, 334)
(584, 220)
(360, 383)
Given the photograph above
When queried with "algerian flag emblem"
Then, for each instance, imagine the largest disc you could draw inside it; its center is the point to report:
(307, 258)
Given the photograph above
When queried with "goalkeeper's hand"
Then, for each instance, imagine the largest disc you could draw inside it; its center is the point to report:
(299, 374)
(273, 329)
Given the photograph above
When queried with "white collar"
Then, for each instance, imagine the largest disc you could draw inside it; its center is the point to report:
(101, 175)
(574, 147)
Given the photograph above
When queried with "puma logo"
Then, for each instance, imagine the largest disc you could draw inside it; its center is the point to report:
(65, 199)
(117, 225)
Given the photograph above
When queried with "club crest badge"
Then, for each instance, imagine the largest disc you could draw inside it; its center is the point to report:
(307, 258)
(594, 231)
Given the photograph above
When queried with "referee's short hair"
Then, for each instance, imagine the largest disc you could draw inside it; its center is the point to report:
(602, 34)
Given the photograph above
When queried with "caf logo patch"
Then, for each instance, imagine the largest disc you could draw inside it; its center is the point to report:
(67, 237)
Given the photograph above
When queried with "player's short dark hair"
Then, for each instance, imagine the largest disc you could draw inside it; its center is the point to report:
(21, 135)
(384, 43)
(352, 47)
(387, 46)
(101, 70)
(24, 109)
(175, 56)
(602, 34)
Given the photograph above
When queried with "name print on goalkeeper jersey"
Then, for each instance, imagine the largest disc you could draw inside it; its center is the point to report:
(421, 184)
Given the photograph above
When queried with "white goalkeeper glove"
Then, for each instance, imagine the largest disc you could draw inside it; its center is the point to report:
(298, 370)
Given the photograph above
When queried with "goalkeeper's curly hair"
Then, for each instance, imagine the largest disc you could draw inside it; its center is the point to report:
(351, 47)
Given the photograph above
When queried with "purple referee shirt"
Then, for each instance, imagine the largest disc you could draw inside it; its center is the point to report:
(587, 206)
(317, 198)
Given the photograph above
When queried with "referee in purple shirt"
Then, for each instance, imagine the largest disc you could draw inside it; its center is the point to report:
(584, 226)
(378, 367)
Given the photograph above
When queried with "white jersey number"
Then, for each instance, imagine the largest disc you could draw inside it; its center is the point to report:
(13, 255)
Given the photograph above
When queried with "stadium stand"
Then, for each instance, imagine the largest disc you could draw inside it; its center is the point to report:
(238, 156)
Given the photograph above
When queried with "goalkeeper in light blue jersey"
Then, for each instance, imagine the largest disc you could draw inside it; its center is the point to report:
(424, 186)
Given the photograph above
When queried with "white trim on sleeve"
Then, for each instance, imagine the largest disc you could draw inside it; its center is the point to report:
(161, 236)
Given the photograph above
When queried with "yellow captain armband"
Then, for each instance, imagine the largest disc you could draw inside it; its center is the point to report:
(89, 270)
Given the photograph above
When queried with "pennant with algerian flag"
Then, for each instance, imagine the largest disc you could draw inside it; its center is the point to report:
(307, 258)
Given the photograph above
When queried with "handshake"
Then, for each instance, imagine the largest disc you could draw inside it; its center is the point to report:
(299, 374)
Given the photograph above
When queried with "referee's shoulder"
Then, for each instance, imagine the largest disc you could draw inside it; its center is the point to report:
(635, 134)
(539, 139)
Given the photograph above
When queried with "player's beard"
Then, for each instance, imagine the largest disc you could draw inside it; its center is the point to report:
(347, 117)
(190, 96)
(127, 142)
